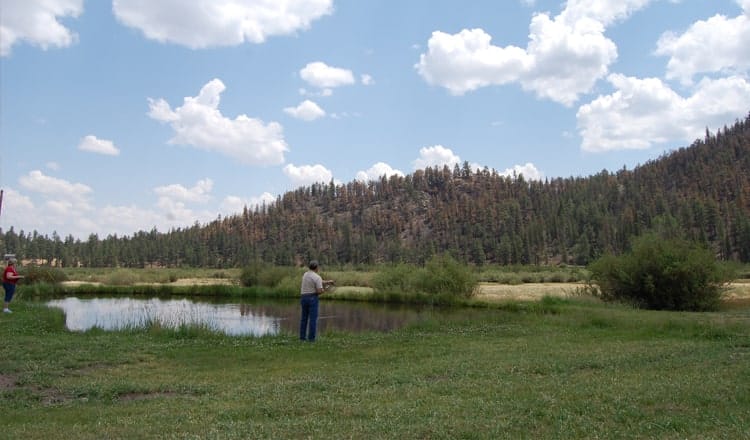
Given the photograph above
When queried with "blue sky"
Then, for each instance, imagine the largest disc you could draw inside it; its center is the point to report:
(127, 115)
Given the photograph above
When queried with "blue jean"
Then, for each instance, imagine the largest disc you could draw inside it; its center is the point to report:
(10, 289)
(309, 305)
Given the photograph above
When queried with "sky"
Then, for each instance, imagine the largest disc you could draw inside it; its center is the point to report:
(119, 116)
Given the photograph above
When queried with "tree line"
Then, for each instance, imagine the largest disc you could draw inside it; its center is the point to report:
(701, 192)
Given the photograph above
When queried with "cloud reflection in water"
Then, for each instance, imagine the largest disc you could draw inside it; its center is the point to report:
(125, 313)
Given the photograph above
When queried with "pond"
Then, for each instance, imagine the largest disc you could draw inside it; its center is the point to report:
(249, 318)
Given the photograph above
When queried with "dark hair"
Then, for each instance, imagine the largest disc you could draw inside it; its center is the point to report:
(313, 265)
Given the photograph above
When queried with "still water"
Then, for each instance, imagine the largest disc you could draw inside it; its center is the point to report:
(254, 318)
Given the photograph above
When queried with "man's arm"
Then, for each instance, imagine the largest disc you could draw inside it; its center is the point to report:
(325, 284)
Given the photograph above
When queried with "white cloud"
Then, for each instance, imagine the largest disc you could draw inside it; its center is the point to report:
(60, 204)
(200, 193)
(319, 93)
(467, 61)
(323, 76)
(92, 144)
(16, 208)
(234, 204)
(53, 204)
(52, 214)
(36, 22)
(643, 112)
(173, 202)
(605, 12)
(528, 171)
(568, 58)
(54, 166)
(307, 111)
(209, 23)
(719, 44)
(175, 210)
(368, 80)
(436, 155)
(308, 174)
(36, 181)
(376, 171)
(126, 220)
(198, 122)
(565, 57)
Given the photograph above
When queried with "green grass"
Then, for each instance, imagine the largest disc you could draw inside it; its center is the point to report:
(126, 276)
(554, 369)
(521, 274)
(349, 276)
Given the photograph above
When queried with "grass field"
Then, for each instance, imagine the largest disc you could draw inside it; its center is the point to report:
(556, 368)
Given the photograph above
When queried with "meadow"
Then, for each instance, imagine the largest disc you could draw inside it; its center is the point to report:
(553, 368)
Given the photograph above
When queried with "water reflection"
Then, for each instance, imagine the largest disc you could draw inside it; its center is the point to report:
(254, 318)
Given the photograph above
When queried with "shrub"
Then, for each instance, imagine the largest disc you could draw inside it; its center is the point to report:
(39, 274)
(272, 276)
(394, 278)
(662, 274)
(259, 275)
(442, 275)
(289, 285)
(121, 277)
(249, 275)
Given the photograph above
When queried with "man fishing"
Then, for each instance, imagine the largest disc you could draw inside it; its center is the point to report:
(312, 286)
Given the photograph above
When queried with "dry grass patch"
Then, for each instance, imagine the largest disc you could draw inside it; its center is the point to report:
(738, 290)
(204, 282)
(525, 292)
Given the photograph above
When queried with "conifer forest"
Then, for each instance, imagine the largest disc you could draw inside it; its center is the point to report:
(701, 192)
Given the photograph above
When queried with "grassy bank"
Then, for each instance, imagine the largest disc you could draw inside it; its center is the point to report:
(347, 276)
(560, 369)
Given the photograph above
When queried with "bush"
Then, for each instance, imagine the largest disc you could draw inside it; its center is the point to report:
(259, 275)
(662, 274)
(39, 274)
(442, 275)
(249, 275)
(121, 277)
(397, 278)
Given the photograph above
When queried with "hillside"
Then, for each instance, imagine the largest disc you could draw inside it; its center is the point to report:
(701, 191)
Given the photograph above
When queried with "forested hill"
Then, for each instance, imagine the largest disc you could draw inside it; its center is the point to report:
(701, 192)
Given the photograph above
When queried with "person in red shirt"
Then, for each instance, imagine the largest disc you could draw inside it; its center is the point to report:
(10, 278)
